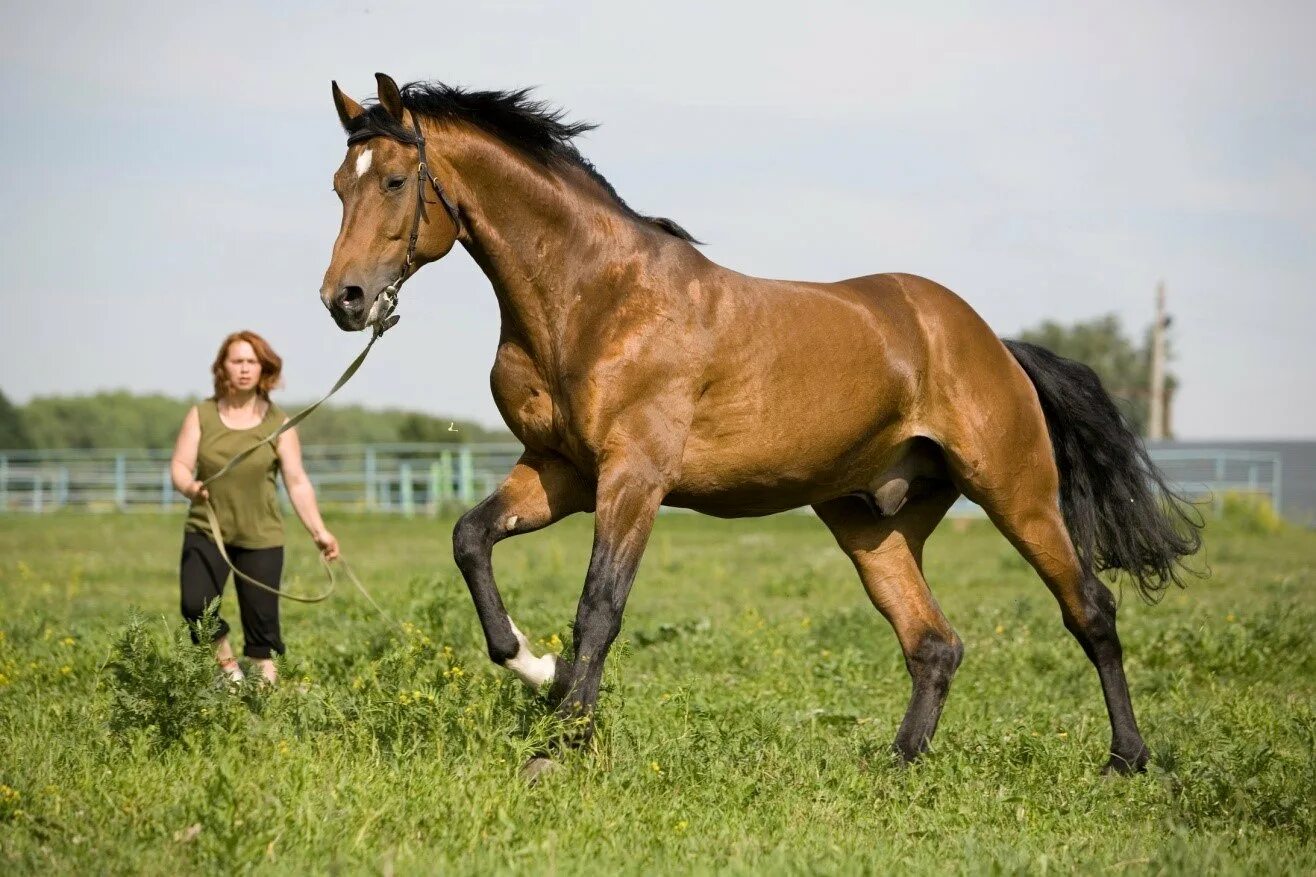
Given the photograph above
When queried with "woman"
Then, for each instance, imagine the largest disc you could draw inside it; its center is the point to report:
(237, 417)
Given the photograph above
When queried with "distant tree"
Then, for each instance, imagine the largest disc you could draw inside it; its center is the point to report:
(124, 420)
(117, 419)
(1123, 365)
(13, 434)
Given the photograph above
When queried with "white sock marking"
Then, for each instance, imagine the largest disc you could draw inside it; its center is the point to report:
(534, 671)
(363, 162)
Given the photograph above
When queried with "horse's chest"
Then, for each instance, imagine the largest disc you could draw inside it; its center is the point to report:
(523, 398)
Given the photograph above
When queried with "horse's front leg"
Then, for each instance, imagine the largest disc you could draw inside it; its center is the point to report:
(539, 491)
(627, 503)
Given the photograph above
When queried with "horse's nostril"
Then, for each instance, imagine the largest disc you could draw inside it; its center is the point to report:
(351, 297)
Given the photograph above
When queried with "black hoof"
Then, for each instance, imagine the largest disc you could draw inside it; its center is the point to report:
(1121, 765)
(537, 768)
(906, 754)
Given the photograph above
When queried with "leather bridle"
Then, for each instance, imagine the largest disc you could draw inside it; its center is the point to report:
(389, 295)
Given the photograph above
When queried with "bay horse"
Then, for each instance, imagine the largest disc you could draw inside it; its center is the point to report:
(638, 373)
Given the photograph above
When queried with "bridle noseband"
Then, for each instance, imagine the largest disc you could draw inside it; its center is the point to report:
(389, 295)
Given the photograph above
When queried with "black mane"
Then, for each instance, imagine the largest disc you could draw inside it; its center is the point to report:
(514, 117)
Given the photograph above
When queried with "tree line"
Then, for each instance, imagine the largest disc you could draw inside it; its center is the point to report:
(127, 420)
(121, 419)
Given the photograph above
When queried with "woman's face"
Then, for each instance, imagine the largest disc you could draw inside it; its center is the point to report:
(242, 367)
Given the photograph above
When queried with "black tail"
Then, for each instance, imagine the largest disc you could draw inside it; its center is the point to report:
(1120, 512)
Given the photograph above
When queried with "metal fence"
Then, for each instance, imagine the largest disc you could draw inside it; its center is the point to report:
(400, 478)
(412, 479)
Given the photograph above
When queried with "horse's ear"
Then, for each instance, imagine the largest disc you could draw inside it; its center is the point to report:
(390, 96)
(348, 109)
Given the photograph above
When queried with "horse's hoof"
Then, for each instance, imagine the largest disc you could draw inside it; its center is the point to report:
(1120, 766)
(537, 768)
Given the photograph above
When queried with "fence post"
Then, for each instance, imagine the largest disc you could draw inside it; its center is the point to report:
(120, 482)
(1276, 486)
(36, 492)
(371, 498)
(62, 487)
(445, 473)
(4, 483)
(466, 484)
(1219, 502)
(404, 478)
(434, 489)
(166, 489)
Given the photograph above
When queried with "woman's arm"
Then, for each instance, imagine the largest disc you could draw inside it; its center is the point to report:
(302, 493)
(182, 468)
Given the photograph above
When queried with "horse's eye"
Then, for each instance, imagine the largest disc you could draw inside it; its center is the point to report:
(395, 183)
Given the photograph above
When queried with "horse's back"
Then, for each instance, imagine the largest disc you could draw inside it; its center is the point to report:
(831, 384)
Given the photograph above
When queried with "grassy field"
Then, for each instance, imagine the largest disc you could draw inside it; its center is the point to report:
(744, 723)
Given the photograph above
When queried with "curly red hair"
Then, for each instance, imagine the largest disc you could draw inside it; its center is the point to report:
(271, 364)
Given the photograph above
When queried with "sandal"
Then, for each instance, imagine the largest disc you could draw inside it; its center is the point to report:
(233, 674)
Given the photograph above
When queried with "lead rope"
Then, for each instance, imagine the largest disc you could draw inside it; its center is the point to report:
(327, 565)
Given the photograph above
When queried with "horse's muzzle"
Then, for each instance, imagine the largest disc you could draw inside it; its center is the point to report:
(348, 308)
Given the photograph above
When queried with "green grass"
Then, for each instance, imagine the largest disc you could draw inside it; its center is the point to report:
(744, 723)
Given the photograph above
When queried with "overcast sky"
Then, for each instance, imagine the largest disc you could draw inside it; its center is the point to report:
(165, 170)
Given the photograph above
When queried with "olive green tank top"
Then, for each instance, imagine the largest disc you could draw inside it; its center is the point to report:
(245, 500)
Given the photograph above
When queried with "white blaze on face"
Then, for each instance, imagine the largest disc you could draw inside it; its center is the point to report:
(534, 671)
(363, 163)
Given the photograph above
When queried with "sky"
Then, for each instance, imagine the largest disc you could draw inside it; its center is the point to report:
(166, 169)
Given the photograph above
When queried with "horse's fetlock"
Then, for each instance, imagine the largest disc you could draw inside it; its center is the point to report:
(502, 650)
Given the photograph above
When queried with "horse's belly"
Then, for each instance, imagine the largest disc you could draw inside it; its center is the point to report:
(729, 471)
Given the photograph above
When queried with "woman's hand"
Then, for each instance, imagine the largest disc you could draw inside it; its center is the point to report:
(196, 491)
(327, 544)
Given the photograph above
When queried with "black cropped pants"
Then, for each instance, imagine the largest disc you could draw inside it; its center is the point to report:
(202, 574)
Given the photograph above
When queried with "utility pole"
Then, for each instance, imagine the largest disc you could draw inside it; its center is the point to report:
(1156, 416)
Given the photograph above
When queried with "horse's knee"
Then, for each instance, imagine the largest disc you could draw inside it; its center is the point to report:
(934, 661)
(470, 539)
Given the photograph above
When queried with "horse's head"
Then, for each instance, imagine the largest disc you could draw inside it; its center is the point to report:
(392, 220)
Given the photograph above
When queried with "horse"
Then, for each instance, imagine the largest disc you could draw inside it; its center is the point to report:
(638, 373)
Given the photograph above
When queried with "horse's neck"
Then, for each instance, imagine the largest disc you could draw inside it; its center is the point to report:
(536, 236)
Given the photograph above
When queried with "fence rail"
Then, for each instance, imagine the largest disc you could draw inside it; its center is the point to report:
(412, 479)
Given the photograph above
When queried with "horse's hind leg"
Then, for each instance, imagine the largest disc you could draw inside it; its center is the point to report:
(1027, 512)
(888, 553)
